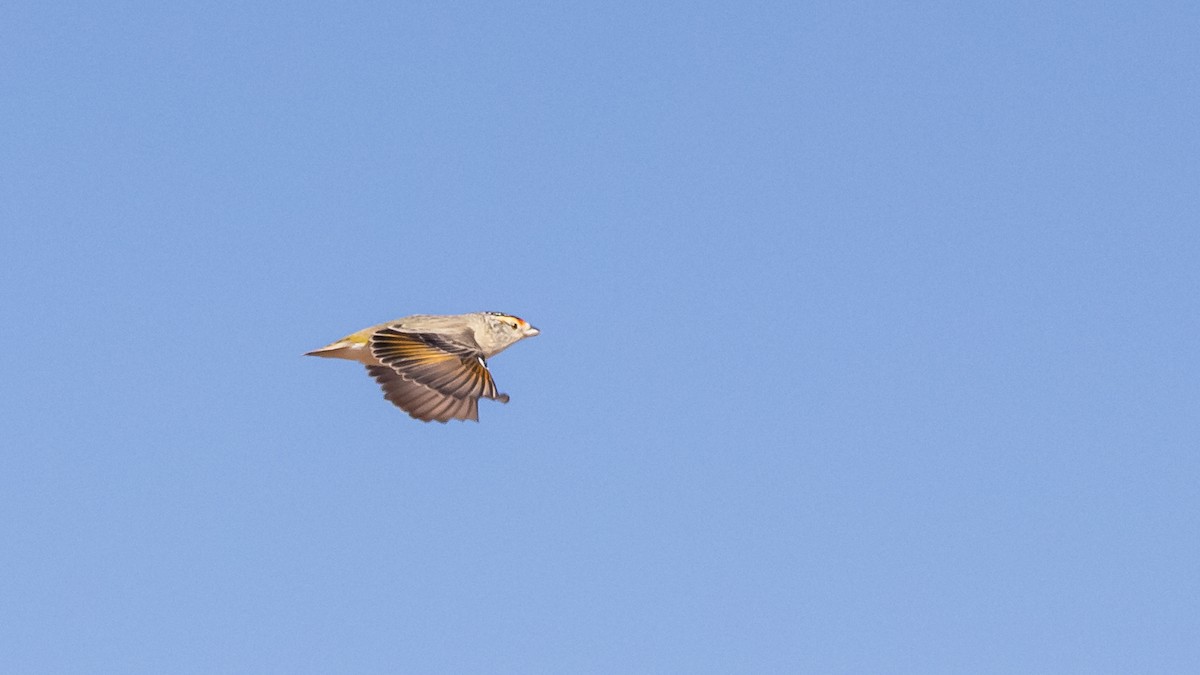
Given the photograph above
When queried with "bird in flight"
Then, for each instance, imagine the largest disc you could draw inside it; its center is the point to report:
(434, 367)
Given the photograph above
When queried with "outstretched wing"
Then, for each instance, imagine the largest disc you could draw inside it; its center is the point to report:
(420, 401)
(430, 376)
(441, 364)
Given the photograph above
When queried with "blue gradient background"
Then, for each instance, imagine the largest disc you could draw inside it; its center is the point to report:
(869, 337)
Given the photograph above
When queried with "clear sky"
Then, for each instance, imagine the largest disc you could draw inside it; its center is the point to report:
(869, 337)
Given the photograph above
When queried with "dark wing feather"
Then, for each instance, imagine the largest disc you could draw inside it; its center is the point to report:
(450, 367)
(420, 401)
(430, 376)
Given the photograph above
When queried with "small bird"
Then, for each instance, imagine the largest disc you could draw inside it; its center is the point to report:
(434, 367)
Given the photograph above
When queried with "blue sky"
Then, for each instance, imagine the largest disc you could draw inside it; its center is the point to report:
(868, 337)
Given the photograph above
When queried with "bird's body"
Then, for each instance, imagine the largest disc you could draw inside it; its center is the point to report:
(434, 367)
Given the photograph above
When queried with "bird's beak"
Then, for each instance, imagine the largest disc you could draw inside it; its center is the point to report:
(530, 331)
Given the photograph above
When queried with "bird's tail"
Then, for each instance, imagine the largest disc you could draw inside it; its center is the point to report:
(342, 349)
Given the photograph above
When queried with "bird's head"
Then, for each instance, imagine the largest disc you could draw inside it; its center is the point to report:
(503, 330)
(507, 324)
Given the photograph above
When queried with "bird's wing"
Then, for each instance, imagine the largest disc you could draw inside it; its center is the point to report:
(441, 364)
(421, 402)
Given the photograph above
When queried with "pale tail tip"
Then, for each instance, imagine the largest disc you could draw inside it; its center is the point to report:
(336, 350)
